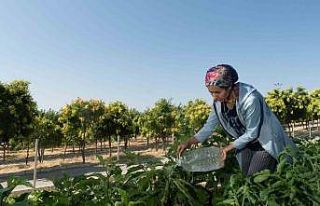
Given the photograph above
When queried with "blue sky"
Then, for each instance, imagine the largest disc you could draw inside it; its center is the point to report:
(139, 51)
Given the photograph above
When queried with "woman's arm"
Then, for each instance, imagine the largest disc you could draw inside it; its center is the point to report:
(225, 150)
(208, 128)
(202, 134)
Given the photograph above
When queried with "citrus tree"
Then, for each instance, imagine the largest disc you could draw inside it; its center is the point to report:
(121, 121)
(17, 112)
(104, 128)
(48, 131)
(302, 101)
(289, 106)
(77, 119)
(314, 106)
(196, 114)
(158, 121)
(274, 99)
(97, 110)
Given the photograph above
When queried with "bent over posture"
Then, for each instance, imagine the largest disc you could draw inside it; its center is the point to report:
(242, 112)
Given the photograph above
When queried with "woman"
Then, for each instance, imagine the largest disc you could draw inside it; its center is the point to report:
(241, 110)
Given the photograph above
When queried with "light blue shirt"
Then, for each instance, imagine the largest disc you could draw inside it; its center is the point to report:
(258, 119)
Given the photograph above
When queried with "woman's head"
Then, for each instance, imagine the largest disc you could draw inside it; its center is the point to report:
(222, 75)
(220, 80)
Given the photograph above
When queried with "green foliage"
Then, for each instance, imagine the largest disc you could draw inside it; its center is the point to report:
(158, 121)
(157, 183)
(17, 111)
(289, 105)
(164, 184)
(47, 129)
(314, 106)
(295, 183)
(122, 121)
(78, 119)
(196, 114)
(275, 101)
(12, 182)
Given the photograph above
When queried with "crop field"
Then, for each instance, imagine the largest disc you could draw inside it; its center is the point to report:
(89, 132)
(158, 183)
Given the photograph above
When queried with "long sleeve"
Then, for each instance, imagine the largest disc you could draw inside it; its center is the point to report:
(253, 117)
(208, 127)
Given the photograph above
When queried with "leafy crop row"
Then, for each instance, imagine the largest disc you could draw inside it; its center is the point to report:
(295, 183)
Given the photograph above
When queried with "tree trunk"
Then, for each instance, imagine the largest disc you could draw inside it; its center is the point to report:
(83, 145)
(41, 157)
(289, 129)
(110, 152)
(156, 139)
(310, 129)
(125, 142)
(43, 150)
(39, 148)
(164, 143)
(65, 150)
(4, 151)
(118, 147)
(101, 144)
(28, 149)
(293, 126)
(96, 145)
(40, 154)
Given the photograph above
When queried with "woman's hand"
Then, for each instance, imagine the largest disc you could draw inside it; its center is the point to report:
(225, 150)
(182, 147)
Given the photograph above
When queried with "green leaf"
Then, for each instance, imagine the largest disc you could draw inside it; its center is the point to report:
(229, 202)
(261, 176)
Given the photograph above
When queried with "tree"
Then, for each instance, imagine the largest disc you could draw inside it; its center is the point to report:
(196, 114)
(275, 100)
(48, 131)
(104, 127)
(17, 112)
(98, 109)
(146, 124)
(134, 116)
(158, 121)
(303, 100)
(290, 106)
(121, 120)
(77, 119)
(314, 106)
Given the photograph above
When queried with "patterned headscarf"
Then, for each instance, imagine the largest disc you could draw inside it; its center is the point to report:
(222, 75)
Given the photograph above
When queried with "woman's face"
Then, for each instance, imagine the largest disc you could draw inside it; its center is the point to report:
(218, 94)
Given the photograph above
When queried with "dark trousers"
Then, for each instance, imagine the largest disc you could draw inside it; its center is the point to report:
(254, 160)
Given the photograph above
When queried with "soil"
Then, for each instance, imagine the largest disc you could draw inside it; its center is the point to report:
(56, 162)
(54, 159)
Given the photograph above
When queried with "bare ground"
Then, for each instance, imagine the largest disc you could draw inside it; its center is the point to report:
(55, 159)
(55, 162)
